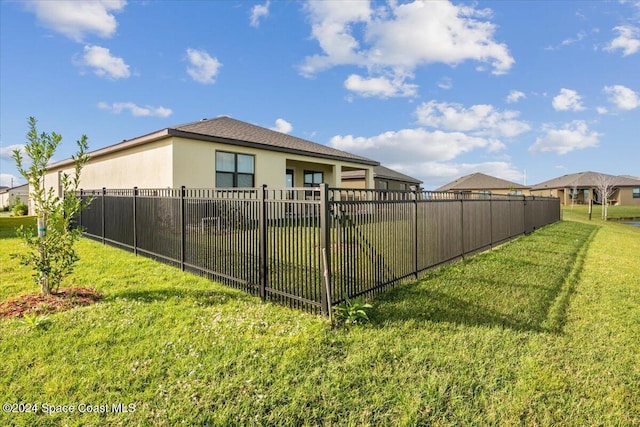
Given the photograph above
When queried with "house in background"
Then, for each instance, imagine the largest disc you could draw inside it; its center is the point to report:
(383, 177)
(221, 152)
(9, 196)
(482, 183)
(582, 187)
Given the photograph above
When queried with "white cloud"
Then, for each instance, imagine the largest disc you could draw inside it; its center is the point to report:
(282, 126)
(135, 110)
(104, 64)
(7, 152)
(395, 39)
(6, 180)
(204, 68)
(381, 87)
(567, 100)
(436, 174)
(415, 144)
(571, 136)
(569, 41)
(259, 11)
(623, 97)
(515, 96)
(445, 83)
(602, 110)
(77, 18)
(628, 40)
(480, 120)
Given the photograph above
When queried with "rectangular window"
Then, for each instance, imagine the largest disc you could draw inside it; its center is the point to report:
(636, 193)
(383, 185)
(288, 180)
(313, 179)
(234, 170)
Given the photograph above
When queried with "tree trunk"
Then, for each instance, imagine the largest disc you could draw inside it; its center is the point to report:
(42, 233)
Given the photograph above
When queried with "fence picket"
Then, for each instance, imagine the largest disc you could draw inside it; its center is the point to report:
(308, 247)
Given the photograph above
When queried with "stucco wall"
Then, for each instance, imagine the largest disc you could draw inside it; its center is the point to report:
(174, 162)
(626, 197)
(146, 166)
(9, 197)
(195, 165)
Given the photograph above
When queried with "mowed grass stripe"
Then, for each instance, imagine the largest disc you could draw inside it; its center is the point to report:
(467, 345)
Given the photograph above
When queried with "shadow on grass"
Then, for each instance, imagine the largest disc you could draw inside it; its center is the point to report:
(503, 288)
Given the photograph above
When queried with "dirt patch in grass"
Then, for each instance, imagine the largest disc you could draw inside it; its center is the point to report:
(63, 299)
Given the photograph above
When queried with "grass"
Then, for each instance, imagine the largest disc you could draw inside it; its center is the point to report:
(9, 224)
(581, 212)
(541, 331)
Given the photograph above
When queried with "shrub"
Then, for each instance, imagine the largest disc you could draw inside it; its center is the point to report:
(20, 209)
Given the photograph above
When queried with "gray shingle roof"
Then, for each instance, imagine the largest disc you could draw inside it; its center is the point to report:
(381, 172)
(584, 179)
(481, 181)
(232, 131)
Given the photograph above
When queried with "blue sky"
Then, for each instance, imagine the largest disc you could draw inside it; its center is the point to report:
(433, 89)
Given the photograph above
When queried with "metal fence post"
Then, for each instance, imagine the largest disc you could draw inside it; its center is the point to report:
(135, 220)
(104, 192)
(491, 220)
(262, 252)
(415, 234)
(462, 222)
(325, 246)
(524, 214)
(182, 228)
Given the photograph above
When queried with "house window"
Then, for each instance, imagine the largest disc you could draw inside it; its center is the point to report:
(234, 170)
(313, 179)
(636, 193)
(288, 181)
(515, 192)
(383, 185)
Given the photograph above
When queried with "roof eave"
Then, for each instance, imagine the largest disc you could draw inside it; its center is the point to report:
(209, 138)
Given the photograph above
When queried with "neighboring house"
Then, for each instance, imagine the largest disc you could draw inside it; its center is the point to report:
(582, 187)
(8, 196)
(221, 152)
(482, 183)
(384, 179)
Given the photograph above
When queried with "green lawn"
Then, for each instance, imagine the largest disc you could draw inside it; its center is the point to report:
(9, 224)
(581, 212)
(541, 331)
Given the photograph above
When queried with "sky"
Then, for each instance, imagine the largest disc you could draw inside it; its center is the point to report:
(522, 90)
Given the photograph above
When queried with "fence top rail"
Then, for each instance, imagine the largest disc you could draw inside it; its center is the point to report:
(357, 194)
(307, 194)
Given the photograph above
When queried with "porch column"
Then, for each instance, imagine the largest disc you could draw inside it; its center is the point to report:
(337, 174)
(368, 178)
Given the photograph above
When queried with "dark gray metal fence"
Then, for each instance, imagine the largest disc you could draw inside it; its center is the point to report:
(308, 248)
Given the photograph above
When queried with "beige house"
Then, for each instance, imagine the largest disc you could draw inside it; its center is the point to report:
(383, 177)
(581, 187)
(482, 183)
(8, 196)
(221, 152)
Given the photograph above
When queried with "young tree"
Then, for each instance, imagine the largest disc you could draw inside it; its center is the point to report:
(574, 194)
(51, 250)
(604, 185)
